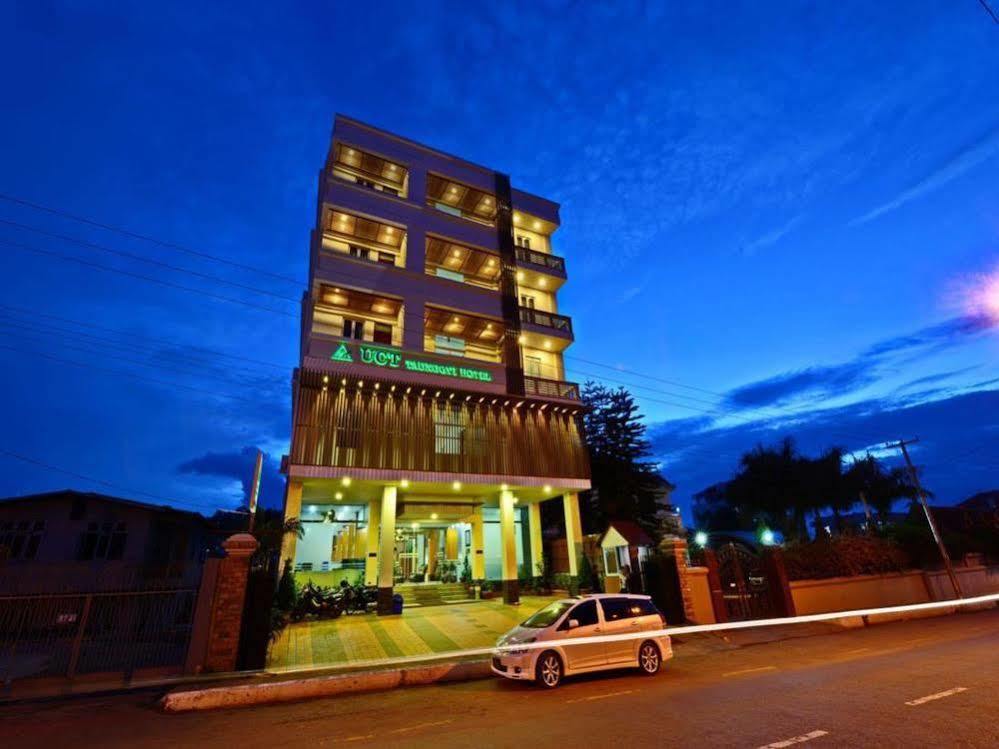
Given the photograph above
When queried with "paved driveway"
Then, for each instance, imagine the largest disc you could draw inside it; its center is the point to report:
(419, 631)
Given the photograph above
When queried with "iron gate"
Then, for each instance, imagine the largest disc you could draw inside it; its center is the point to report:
(71, 634)
(744, 583)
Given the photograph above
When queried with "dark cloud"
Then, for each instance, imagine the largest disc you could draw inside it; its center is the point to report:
(816, 381)
(863, 370)
(958, 449)
(239, 466)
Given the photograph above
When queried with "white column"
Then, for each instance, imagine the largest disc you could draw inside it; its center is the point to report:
(371, 560)
(386, 545)
(292, 510)
(537, 548)
(478, 553)
(508, 542)
(573, 531)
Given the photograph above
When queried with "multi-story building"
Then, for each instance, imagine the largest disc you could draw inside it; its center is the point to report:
(431, 412)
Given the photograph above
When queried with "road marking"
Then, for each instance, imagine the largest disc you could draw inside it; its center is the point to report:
(796, 740)
(418, 726)
(937, 696)
(750, 670)
(856, 650)
(355, 738)
(600, 696)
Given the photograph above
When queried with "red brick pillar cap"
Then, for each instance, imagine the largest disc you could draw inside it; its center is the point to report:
(240, 545)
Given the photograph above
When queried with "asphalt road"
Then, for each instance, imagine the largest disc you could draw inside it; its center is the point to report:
(931, 682)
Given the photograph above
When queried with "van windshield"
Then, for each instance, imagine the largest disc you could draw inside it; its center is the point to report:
(548, 615)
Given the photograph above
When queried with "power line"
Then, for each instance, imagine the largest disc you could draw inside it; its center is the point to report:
(988, 9)
(160, 281)
(144, 237)
(144, 259)
(102, 482)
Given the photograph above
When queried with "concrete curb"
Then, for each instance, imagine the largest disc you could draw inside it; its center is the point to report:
(247, 695)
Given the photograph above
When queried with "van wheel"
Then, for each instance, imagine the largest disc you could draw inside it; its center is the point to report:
(649, 659)
(548, 672)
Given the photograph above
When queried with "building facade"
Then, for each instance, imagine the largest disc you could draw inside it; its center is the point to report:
(431, 414)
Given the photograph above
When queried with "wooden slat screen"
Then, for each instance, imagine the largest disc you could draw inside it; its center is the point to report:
(348, 427)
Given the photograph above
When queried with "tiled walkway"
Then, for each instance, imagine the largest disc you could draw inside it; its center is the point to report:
(419, 631)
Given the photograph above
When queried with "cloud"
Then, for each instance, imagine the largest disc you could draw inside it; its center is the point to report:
(864, 369)
(824, 381)
(239, 466)
(630, 294)
(968, 158)
(696, 455)
(772, 237)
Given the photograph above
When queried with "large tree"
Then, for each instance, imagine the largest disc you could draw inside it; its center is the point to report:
(626, 483)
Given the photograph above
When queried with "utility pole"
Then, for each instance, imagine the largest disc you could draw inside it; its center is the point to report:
(901, 444)
(255, 488)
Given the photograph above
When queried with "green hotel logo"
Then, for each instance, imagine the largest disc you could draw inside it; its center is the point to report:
(393, 359)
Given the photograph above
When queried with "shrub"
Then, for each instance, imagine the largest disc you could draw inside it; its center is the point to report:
(286, 594)
(844, 556)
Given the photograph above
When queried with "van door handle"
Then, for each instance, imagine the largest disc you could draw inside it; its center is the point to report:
(596, 629)
(635, 623)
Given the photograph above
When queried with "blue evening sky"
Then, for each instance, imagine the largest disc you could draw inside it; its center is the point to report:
(783, 216)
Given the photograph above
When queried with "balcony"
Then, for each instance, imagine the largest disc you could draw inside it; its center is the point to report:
(461, 200)
(551, 388)
(549, 263)
(455, 262)
(369, 171)
(364, 239)
(546, 322)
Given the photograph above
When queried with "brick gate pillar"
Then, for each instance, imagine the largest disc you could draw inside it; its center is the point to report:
(676, 547)
(780, 588)
(226, 617)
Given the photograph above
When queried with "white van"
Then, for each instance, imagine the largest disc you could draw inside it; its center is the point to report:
(574, 618)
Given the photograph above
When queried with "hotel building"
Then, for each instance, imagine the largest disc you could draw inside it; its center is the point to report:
(431, 413)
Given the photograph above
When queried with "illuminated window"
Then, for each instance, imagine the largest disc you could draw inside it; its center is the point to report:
(383, 333)
(449, 426)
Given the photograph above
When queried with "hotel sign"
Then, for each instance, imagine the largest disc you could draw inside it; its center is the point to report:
(362, 353)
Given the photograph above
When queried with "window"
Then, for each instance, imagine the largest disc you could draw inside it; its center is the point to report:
(386, 257)
(524, 242)
(21, 538)
(527, 300)
(359, 252)
(532, 365)
(585, 613)
(353, 329)
(548, 615)
(445, 344)
(103, 541)
(449, 423)
(383, 333)
(616, 609)
(643, 607)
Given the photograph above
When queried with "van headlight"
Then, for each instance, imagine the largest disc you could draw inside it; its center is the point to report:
(514, 650)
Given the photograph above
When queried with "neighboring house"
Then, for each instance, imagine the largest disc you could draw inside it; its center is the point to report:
(81, 541)
(983, 501)
(624, 544)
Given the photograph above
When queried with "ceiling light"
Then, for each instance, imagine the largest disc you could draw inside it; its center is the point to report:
(404, 483)
(377, 385)
(391, 167)
(521, 339)
(456, 486)
(416, 525)
(547, 489)
(548, 344)
(468, 398)
(392, 389)
(350, 151)
(516, 218)
(360, 383)
(326, 378)
(433, 515)
(455, 319)
(537, 224)
(521, 403)
(451, 397)
(343, 381)
(338, 495)
(437, 394)
(345, 481)
(389, 230)
(504, 487)
(520, 275)
(456, 253)
(516, 500)
(489, 326)
(490, 261)
(542, 282)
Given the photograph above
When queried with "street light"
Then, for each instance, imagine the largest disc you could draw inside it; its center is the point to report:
(701, 538)
(767, 537)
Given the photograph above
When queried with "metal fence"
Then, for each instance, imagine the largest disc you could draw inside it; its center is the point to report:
(69, 635)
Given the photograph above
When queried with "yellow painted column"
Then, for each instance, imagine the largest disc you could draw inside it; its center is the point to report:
(478, 553)
(508, 546)
(371, 560)
(433, 551)
(386, 550)
(573, 531)
(292, 509)
(537, 548)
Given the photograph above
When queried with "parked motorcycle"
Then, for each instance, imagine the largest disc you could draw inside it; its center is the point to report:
(320, 602)
(359, 599)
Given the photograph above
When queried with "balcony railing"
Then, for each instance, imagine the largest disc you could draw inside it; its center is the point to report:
(550, 262)
(550, 388)
(559, 323)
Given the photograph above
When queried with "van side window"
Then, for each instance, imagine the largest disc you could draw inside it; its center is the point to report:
(616, 609)
(585, 613)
